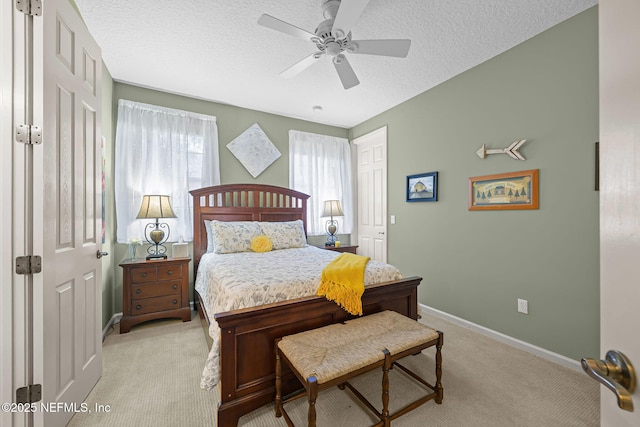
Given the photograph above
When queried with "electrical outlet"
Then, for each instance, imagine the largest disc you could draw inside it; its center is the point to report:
(523, 306)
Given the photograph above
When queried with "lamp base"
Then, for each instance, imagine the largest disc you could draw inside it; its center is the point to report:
(156, 256)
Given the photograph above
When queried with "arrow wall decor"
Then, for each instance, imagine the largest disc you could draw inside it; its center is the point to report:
(511, 150)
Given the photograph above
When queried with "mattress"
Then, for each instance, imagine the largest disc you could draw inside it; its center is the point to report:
(247, 279)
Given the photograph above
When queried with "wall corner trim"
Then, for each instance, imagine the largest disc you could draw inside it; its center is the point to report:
(514, 342)
(114, 319)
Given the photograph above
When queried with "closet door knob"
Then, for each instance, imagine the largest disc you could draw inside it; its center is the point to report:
(100, 254)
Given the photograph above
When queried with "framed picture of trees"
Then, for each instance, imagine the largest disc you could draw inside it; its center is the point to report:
(504, 191)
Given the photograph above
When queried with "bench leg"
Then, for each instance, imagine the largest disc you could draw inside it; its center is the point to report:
(278, 383)
(312, 395)
(386, 422)
(438, 387)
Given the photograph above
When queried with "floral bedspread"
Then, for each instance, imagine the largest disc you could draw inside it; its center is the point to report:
(248, 279)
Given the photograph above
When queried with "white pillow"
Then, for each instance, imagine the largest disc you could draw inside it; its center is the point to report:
(285, 235)
(233, 236)
(207, 227)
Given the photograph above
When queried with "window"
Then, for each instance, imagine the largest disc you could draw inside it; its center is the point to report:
(320, 166)
(162, 151)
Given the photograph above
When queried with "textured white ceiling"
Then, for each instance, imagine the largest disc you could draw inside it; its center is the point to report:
(215, 50)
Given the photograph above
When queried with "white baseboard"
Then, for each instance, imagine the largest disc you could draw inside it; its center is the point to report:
(522, 345)
(114, 319)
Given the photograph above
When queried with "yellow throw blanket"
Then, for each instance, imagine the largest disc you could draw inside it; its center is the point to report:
(343, 281)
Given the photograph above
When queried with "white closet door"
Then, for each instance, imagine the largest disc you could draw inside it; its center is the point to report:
(67, 210)
(372, 194)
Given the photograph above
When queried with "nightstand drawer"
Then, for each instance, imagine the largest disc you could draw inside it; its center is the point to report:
(169, 272)
(143, 274)
(155, 289)
(151, 305)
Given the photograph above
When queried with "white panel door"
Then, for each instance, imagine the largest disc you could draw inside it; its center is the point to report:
(619, 34)
(371, 160)
(67, 210)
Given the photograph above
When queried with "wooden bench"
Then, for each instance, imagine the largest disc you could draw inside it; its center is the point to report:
(331, 355)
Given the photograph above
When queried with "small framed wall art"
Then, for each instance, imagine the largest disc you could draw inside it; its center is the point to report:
(422, 187)
(504, 191)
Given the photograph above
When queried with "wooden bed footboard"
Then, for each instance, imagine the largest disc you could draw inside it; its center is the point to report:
(247, 375)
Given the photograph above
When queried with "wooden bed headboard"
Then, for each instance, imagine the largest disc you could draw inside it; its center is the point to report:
(243, 202)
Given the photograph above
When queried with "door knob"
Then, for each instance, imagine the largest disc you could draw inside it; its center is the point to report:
(616, 373)
(100, 254)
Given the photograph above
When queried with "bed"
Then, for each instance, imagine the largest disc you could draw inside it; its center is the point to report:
(246, 335)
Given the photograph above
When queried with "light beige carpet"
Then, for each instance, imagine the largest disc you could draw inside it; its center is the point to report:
(151, 378)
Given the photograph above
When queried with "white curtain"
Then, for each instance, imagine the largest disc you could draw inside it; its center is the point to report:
(162, 151)
(320, 165)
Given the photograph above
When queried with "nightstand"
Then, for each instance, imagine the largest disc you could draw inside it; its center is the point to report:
(342, 248)
(155, 289)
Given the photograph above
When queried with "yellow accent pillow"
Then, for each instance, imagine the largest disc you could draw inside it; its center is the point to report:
(261, 244)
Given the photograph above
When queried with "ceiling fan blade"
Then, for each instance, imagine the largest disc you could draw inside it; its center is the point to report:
(348, 14)
(345, 72)
(397, 47)
(300, 66)
(284, 27)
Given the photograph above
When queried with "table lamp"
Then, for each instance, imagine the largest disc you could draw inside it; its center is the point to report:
(332, 208)
(156, 206)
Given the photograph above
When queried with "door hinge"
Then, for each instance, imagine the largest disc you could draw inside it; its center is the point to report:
(28, 134)
(29, 264)
(30, 7)
(29, 394)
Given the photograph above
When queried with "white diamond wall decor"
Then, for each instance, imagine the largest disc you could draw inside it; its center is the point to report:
(254, 150)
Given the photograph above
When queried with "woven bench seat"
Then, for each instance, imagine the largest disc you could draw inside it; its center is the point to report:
(331, 355)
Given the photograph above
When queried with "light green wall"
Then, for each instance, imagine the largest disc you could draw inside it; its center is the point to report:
(232, 121)
(476, 264)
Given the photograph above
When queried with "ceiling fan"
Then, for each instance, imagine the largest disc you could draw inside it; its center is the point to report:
(333, 39)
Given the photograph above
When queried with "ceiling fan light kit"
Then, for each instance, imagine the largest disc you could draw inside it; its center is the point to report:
(332, 38)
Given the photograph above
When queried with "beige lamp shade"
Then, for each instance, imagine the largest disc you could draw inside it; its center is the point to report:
(332, 208)
(156, 206)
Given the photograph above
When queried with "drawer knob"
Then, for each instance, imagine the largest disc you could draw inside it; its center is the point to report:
(138, 307)
(175, 286)
(175, 301)
(144, 274)
(138, 291)
(169, 272)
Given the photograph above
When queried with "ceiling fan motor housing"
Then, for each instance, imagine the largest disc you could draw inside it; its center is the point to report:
(327, 41)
